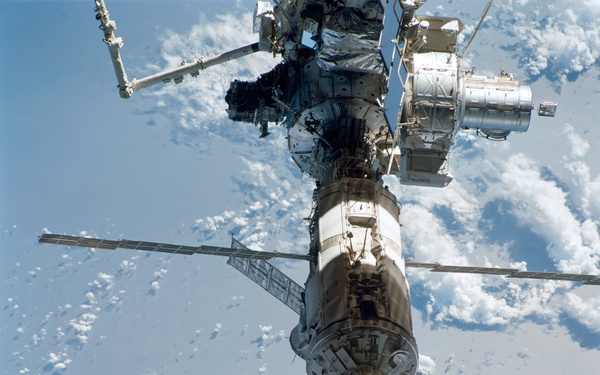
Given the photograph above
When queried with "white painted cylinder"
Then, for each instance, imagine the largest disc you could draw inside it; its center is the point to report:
(357, 298)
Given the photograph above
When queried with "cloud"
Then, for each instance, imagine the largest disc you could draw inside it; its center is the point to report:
(543, 206)
(269, 201)
(585, 188)
(216, 331)
(267, 338)
(274, 208)
(584, 310)
(199, 116)
(451, 296)
(449, 226)
(426, 365)
(83, 325)
(57, 361)
(155, 282)
(556, 41)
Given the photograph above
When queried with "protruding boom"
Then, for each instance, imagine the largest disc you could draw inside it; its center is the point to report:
(126, 88)
(59, 239)
(240, 251)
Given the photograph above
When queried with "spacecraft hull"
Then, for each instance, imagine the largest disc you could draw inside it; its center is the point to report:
(357, 304)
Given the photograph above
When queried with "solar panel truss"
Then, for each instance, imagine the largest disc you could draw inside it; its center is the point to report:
(59, 239)
(273, 280)
(269, 278)
(509, 272)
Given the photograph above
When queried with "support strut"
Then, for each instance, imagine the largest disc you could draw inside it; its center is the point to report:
(126, 88)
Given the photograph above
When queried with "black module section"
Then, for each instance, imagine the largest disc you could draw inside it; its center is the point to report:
(315, 11)
(260, 101)
(244, 98)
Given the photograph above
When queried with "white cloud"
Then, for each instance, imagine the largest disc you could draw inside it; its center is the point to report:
(267, 338)
(58, 361)
(451, 296)
(560, 41)
(560, 212)
(217, 331)
(586, 311)
(543, 206)
(220, 34)
(426, 365)
(427, 236)
(53, 358)
(84, 322)
(274, 207)
(585, 188)
(104, 282)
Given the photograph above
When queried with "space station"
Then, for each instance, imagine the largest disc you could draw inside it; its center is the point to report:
(365, 88)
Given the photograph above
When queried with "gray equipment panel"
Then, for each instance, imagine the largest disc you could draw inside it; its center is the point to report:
(59, 239)
(510, 272)
(269, 278)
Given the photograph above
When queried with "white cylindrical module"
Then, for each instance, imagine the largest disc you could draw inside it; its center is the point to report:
(357, 299)
(434, 79)
(495, 104)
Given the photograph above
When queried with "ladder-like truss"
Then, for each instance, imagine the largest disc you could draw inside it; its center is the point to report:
(254, 264)
(59, 239)
(509, 272)
(269, 278)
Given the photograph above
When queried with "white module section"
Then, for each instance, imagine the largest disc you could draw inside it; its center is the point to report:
(440, 99)
(428, 122)
(357, 308)
(495, 103)
(434, 89)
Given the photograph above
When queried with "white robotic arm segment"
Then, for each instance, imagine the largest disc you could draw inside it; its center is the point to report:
(266, 27)
(108, 27)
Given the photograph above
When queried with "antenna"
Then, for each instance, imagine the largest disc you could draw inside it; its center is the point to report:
(485, 11)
